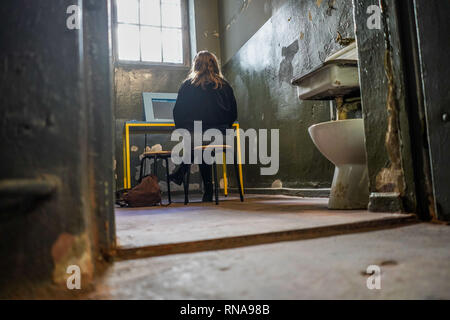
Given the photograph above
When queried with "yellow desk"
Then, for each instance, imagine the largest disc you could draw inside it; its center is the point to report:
(133, 127)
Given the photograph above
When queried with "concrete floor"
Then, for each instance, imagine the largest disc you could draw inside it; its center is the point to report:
(314, 264)
(258, 214)
(414, 261)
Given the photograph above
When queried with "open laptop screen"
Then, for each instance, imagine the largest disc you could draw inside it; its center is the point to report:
(159, 106)
(163, 108)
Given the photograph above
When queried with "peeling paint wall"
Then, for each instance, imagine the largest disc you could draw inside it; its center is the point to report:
(205, 33)
(388, 144)
(297, 38)
(239, 21)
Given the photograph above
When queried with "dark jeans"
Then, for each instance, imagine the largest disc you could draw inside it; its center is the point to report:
(205, 171)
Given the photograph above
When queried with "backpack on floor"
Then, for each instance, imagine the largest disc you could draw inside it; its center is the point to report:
(145, 194)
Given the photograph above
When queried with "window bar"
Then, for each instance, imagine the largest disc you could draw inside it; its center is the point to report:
(140, 38)
(160, 30)
(148, 25)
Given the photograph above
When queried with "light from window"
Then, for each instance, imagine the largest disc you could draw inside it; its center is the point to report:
(149, 31)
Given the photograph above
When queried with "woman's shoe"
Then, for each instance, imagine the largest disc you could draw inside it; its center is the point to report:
(176, 178)
(208, 195)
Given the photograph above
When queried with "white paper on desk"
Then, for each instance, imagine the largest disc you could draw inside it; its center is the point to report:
(156, 148)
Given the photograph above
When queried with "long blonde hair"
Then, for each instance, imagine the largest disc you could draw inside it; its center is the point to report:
(206, 69)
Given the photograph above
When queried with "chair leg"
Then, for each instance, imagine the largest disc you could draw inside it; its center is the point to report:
(141, 171)
(216, 185)
(155, 166)
(186, 185)
(168, 180)
(225, 177)
(238, 177)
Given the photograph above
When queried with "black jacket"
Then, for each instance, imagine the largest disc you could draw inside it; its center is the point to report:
(216, 108)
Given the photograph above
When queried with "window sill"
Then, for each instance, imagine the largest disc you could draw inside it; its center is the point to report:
(146, 65)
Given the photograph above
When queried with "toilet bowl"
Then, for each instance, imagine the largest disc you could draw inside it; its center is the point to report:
(342, 142)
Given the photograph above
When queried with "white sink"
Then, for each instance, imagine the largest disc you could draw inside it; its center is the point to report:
(350, 52)
(337, 76)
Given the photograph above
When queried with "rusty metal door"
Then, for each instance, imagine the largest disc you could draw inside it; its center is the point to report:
(56, 140)
(433, 30)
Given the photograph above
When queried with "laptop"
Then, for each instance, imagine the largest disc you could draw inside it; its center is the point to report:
(158, 107)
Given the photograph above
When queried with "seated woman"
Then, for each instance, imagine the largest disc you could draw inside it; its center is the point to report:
(207, 97)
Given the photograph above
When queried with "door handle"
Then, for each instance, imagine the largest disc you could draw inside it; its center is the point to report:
(18, 195)
(26, 187)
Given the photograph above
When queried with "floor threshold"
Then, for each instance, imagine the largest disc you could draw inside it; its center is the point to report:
(264, 238)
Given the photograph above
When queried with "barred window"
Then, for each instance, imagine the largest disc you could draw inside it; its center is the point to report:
(151, 31)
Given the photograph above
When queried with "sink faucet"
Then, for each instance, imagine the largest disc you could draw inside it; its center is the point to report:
(344, 106)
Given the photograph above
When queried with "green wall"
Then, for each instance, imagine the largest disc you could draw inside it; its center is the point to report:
(240, 20)
(297, 38)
